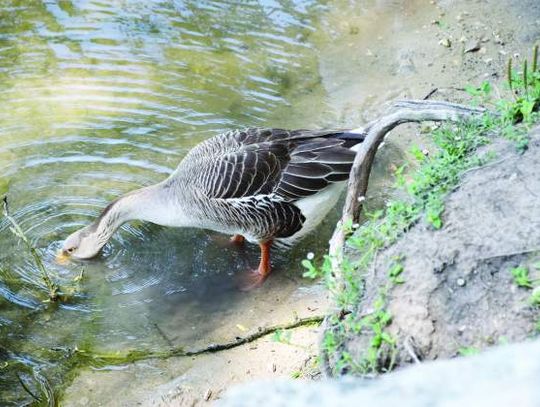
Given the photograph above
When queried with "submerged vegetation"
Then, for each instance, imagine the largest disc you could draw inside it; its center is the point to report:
(55, 291)
(426, 187)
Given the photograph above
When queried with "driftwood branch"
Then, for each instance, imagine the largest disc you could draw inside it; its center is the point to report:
(405, 111)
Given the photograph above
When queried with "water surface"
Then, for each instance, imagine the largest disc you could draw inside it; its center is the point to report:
(102, 97)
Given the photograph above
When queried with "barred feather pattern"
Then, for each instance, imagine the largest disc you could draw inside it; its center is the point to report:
(247, 181)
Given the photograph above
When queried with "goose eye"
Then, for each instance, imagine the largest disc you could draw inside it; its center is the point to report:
(71, 250)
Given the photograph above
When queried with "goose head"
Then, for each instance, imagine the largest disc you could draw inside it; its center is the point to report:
(85, 243)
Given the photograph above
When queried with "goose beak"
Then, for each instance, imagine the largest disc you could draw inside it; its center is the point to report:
(62, 257)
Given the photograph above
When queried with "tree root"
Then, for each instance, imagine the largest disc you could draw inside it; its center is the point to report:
(103, 359)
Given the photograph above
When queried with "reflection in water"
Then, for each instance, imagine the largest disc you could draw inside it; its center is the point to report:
(99, 98)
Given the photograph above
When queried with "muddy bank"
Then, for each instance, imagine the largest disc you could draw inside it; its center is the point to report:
(458, 294)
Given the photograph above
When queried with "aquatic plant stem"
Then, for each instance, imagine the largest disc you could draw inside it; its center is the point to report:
(17, 231)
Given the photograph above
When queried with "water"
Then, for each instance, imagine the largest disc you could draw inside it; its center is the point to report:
(99, 98)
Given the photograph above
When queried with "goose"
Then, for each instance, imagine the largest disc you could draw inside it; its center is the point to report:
(260, 185)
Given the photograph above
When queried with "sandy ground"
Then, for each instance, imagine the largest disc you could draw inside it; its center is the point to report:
(197, 381)
(383, 50)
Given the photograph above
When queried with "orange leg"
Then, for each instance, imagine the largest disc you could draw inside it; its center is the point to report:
(257, 277)
(264, 266)
(238, 239)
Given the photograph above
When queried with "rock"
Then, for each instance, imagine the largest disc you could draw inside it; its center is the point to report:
(505, 376)
(472, 46)
(445, 42)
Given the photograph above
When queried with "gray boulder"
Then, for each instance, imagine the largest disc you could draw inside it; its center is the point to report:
(503, 376)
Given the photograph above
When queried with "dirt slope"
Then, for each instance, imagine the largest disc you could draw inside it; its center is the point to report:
(459, 293)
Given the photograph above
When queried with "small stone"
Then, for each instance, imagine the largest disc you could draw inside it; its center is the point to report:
(310, 256)
(460, 282)
(472, 46)
(445, 42)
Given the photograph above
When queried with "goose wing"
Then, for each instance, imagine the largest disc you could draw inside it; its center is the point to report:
(289, 164)
(313, 165)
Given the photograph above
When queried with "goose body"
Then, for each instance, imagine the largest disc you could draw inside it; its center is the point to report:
(263, 184)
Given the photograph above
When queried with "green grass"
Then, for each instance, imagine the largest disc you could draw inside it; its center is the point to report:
(468, 351)
(534, 299)
(521, 277)
(426, 188)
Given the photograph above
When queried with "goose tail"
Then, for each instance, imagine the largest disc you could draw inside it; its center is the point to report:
(353, 138)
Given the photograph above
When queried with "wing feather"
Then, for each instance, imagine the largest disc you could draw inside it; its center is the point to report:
(287, 164)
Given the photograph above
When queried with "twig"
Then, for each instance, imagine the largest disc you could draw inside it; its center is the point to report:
(431, 93)
(410, 350)
(509, 254)
(17, 231)
(137, 355)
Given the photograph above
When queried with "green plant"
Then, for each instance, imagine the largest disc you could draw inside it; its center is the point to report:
(282, 336)
(535, 297)
(468, 351)
(523, 108)
(312, 271)
(296, 374)
(375, 323)
(521, 277)
(480, 93)
(395, 271)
